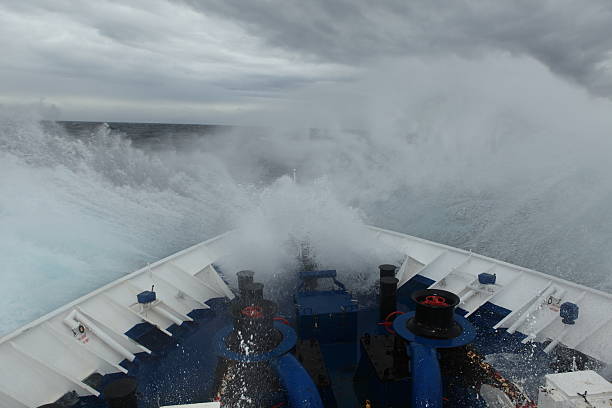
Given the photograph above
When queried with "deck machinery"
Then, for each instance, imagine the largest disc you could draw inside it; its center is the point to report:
(411, 348)
(340, 354)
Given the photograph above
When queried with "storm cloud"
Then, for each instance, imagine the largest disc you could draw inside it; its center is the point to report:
(220, 61)
(572, 38)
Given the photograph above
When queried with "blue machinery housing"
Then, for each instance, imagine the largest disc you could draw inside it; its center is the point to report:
(331, 316)
(325, 315)
(301, 391)
(255, 351)
(425, 367)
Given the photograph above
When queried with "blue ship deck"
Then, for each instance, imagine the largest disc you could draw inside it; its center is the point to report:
(182, 368)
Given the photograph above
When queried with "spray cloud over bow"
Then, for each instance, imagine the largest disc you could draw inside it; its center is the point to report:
(496, 155)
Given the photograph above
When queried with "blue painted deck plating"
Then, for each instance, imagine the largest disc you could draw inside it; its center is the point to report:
(181, 369)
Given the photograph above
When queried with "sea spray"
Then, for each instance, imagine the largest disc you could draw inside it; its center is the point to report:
(79, 212)
(512, 163)
(75, 214)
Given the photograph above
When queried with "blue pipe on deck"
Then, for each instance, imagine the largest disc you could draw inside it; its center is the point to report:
(301, 391)
(426, 377)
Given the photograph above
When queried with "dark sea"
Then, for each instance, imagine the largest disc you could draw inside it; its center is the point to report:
(146, 135)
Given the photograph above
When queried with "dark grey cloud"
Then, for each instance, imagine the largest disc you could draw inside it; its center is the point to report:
(138, 55)
(572, 37)
(224, 57)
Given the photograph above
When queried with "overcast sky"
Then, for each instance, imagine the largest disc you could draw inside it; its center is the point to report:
(227, 61)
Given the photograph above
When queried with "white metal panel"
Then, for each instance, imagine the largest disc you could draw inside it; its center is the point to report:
(409, 268)
(6, 401)
(441, 266)
(511, 279)
(108, 313)
(194, 261)
(212, 278)
(67, 357)
(105, 365)
(598, 344)
(195, 288)
(35, 385)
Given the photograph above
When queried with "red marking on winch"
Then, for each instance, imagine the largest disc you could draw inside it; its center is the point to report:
(282, 320)
(435, 300)
(254, 312)
(389, 323)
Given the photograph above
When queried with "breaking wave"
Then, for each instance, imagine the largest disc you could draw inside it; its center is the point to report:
(521, 176)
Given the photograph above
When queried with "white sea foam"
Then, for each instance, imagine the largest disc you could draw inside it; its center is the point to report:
(487, 163)
(78, 213)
